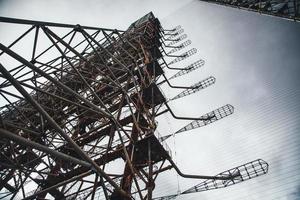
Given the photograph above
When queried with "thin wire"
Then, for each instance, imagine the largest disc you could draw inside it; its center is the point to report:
(175, 151)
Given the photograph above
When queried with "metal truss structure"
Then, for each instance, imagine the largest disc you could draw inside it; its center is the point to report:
(287, 9)
(81, 111)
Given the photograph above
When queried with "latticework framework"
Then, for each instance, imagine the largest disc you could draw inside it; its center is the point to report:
(82, 101)
(287, 9)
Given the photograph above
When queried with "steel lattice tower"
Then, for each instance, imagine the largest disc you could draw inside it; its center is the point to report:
(287, 9)
(91, 97)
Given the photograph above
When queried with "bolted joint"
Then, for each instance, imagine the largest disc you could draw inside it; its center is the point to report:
(78, 28)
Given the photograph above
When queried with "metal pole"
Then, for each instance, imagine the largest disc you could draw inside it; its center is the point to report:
(59, 184)
(7, 134)
(199, 176)
(41, 23)
(183, 118)
(150, 178)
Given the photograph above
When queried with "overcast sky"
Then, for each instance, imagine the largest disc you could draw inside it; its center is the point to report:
(255, 60)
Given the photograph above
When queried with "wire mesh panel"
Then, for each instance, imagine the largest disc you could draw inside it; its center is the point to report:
(174, 41)
(174, 33)
(190, 68)
(237, 175)
(208, 118)
(241, 173)
(181, 46)
(196, 87)
(183, 56)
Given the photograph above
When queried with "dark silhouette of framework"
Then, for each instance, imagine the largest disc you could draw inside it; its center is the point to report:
(90, 97)
(287, 9)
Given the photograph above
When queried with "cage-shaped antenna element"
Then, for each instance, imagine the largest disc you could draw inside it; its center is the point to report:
(189, 68)
(240, 174)
(208, 118)
(181, 46)
(196, 87)
(204, 120)
(184, 56)
(175, 33)
(244, 172)
(174, 41)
